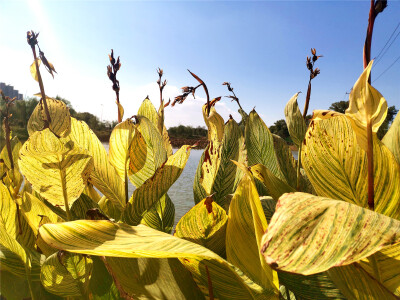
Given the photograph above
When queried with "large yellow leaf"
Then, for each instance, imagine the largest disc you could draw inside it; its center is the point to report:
(246, 226)
(337, 166)
(146, 160)
(295, 123)
(327, 233)
(120, 142)
(144, 197)
(366, 105)
(104, 176)
(59, 114)
(205, 224)
(57, 171)
(104, 238)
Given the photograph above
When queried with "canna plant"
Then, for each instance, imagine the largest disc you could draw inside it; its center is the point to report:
(264, 226)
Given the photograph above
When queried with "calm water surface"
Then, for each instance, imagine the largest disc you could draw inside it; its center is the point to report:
(181, 192)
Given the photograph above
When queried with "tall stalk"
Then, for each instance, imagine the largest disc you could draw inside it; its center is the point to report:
(313, 73)
(376, 7)
(32, 41)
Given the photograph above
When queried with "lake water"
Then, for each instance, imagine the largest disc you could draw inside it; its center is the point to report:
(181, 192)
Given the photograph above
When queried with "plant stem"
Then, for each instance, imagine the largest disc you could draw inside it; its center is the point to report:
(306, 104)
(368, 38)
(46, 109)
(370, 157)
(205, 90)
(298, 168)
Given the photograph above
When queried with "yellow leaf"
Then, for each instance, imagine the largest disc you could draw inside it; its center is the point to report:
(246, 226)
(33, 69)
(204, 224)
(366, 105)
(59, 114)
(57, 171)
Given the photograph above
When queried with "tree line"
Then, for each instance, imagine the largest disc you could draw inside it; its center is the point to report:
(22, 110)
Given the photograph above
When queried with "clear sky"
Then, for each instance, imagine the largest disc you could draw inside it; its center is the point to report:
(259, 46)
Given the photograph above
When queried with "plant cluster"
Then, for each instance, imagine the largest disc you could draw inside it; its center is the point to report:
(264, 226)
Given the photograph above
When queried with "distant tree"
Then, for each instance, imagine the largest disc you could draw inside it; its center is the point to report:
(341, 107)
(182, 131)
(280, 128)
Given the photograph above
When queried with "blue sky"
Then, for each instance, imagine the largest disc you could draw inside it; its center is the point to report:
(259, 46)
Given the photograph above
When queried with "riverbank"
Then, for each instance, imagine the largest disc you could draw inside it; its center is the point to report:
(202, 142)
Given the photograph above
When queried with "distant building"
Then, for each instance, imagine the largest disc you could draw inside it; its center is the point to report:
(9, 91)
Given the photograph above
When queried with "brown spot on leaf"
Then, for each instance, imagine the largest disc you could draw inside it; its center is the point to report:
(208, 203)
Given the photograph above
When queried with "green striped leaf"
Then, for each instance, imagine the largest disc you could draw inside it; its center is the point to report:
(67, 274)
(57, 171)
(59, 114)
(205, 224)
(104, 176)
(327, 233)
(337, 166)
(246, 226)
(144, 197)
(275, 186)
(104, 238)
(295, 123)
(161, 215)
(260, 147)
(392, 138)
(228, 173)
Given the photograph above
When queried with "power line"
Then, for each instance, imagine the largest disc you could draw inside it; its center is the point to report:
(380, 58)
(387, 69)
(387, 41)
